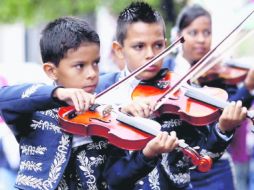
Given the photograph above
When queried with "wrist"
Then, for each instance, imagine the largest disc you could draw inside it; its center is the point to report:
(248, 86)
(226, 132)
(148, 153)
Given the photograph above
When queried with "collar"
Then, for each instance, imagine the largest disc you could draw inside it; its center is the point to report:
(181, 60)
(133, 82)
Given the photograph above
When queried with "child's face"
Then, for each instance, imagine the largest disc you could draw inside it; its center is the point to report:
(79, 68)
(197, 38)
(143, 41)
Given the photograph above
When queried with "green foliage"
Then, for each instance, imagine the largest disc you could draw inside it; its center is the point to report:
(34, 11)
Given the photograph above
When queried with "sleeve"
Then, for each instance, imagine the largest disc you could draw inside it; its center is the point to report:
(124, 169)
(241, 93)
(214, 143)
(25, 99)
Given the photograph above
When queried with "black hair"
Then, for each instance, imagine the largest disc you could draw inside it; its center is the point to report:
(63, 34)
(189, 14)
(135, 12)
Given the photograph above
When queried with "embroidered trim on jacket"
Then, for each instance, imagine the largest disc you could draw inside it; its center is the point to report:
(45, 125)
(171, 123)
(30, 165)
(60, 158)
(51, 113)
(211, 154)
(29, 91)
(55, 169)
(179, 178)
(86, 166)
(31, 181)
(32, 150)
(97, 145)
(153, 178)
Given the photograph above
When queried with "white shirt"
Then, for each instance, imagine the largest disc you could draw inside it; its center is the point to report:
(121, 94)
(181, 65)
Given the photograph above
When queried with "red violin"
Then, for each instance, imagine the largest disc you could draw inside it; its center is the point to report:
(121, 130)
(191, 110)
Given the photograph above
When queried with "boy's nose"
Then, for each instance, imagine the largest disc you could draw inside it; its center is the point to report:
(91, 73)
(150, 53)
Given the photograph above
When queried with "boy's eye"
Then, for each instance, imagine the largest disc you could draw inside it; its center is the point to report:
(96, 63)
(79, 66)
(159, 45)
(138, 47)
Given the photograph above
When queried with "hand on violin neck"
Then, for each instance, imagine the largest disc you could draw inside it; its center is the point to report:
(249, 80)
(140, 107)
(162, 143)
(232, 116)
(78, 98)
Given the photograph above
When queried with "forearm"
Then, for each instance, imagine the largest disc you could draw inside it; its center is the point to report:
(27, 98)
(18, 100)
(242, 94)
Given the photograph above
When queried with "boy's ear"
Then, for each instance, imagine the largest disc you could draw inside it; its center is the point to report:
(50, 69)
(118, 49)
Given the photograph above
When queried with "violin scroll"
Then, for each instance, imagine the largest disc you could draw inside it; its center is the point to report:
(203, 163)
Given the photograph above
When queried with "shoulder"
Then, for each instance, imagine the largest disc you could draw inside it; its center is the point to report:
(106, 80)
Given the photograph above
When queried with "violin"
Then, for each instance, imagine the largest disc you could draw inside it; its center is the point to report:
(104, 121)
(226, 74)
(195, 93)
(243, 63)
(191, 110)
(197, 106)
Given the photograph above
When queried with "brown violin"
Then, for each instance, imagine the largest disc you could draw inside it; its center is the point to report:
(224, 73)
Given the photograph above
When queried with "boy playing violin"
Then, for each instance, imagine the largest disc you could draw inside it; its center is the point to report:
(51, 158)
(140, 35)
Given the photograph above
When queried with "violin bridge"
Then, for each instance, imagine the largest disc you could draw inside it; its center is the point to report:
(107, 110)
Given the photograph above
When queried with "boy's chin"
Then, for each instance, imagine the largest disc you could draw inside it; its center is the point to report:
(147, 76)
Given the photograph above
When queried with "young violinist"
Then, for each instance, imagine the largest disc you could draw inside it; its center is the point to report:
(195, 24)
(140, 35)
(51, 158)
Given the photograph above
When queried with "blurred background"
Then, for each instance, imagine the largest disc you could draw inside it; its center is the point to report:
(22, 21)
